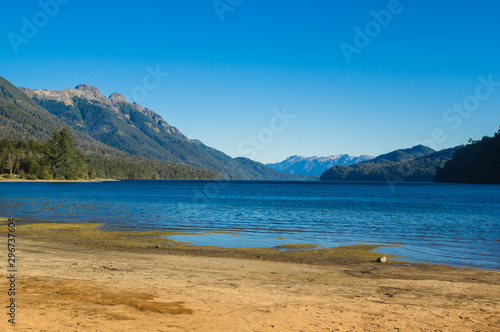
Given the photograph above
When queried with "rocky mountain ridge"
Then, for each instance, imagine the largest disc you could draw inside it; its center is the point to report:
(91, 93)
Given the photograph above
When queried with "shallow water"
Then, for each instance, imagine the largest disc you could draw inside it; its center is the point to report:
(440, 223)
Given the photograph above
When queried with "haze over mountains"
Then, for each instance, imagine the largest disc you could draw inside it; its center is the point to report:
(113, 127)
(315, 165)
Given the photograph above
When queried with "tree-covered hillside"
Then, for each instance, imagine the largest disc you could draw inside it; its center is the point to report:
(416, 164)
(58, 159)
(476, 162)
(21, 118)
(139, 131)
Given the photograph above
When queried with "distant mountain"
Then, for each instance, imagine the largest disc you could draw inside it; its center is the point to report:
(415, 164)
(315, 165)
(404, 154)
(476, 162)
(138, 131)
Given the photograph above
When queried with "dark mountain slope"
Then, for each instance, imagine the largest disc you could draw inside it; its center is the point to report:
(477, 162)
(401, 165)
(403, 154)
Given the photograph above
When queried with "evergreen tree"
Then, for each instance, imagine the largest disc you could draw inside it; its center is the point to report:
(52, 148)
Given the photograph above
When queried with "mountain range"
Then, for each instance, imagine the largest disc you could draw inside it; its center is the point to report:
(315, 165)
(113, 128)
(418, 163)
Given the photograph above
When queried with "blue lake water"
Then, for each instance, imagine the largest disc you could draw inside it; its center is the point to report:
(438, 223)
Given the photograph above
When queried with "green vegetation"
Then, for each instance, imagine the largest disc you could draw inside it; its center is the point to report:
(92, 236)
(416, 164)
(23, 119)
(58, 159)
(476, 162)
(130, 129)
(90, 233)
(297, 246)
(118, 132)
(64, 161)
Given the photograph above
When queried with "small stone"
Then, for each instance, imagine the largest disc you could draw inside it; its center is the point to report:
(157, 246)
(382, 259)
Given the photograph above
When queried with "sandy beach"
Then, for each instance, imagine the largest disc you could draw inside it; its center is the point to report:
(82, 286)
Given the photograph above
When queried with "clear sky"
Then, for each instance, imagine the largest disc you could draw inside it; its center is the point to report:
(356, 77)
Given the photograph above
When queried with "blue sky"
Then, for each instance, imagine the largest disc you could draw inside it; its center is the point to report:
(413, 77)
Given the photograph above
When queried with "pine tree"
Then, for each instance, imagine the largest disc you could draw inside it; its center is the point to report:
(65, 144)
(52, 148)
(64, 161)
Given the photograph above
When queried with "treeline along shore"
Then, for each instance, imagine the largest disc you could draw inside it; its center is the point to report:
(58, 159)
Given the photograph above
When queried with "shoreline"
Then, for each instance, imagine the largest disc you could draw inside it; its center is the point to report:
(95, 236)
(77, 278)
(55, 181)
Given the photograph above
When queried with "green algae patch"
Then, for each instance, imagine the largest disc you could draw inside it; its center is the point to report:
(362, 253)
(297, 246)
(156, 233)
(91, 234)
(324, 256)
(47, 227)
(227, 233)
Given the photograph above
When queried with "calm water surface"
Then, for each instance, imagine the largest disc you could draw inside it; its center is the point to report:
(439, 223)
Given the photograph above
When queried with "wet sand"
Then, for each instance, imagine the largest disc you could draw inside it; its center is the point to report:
(63, 286)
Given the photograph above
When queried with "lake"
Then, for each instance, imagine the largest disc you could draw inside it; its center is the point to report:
(453, 224)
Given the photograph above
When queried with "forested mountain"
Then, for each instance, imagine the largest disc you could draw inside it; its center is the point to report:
(415, 164)
(403, 154)
(59, 159)
(476, 162)
(315, 165)
(114, 129)
(22, 118)
(139, 131)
